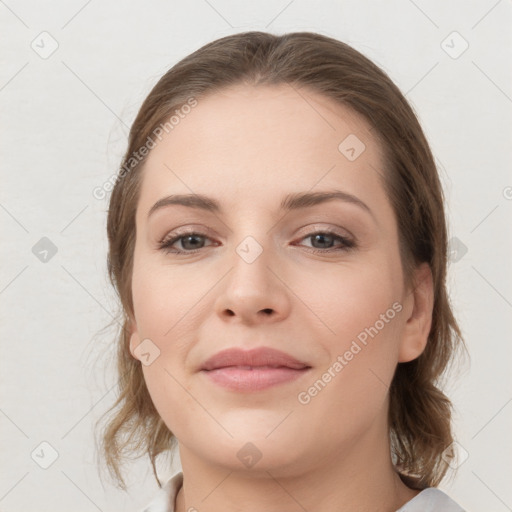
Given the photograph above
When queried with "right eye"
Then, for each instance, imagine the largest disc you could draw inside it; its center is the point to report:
(192, 239)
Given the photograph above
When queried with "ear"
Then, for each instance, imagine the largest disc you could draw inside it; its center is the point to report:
(420, 304)
(134, 339)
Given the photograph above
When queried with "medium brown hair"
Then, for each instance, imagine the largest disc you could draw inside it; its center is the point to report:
(419, 412)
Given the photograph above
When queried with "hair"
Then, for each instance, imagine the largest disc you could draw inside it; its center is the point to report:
(419, 415)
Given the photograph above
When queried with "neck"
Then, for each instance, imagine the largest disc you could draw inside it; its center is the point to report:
(360, 478)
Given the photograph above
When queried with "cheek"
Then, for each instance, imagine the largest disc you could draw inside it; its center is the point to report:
(164, 298)
(169, 304)
(351, 387)
(361, 316)
(350, 297)
(164, 315)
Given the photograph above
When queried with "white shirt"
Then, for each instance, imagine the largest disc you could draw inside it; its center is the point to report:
(428, 500)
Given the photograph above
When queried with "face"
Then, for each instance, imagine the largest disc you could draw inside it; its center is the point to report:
(319, 280)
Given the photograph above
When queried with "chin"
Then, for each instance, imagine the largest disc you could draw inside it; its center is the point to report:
(263, 425)
(256, 446)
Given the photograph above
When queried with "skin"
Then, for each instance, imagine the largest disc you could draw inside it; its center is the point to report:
(247, 147)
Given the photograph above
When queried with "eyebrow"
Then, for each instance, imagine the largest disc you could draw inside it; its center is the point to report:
(294, 201)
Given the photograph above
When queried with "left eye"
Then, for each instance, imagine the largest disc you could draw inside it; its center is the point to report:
(329, 238)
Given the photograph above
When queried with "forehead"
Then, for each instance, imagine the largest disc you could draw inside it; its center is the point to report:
(248, 142)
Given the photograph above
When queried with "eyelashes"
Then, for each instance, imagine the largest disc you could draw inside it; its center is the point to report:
(324, 236)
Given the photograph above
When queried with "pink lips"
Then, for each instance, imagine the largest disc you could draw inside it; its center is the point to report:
(252, 370)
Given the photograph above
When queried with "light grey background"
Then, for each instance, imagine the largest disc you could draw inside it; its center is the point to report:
(65, 120)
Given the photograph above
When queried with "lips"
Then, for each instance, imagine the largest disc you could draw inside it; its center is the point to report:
(252, 370)
(255, 358)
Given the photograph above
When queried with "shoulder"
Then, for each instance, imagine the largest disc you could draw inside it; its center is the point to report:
(431, 499)
(165, 498)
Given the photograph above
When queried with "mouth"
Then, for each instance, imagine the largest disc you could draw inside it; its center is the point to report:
(253, 370)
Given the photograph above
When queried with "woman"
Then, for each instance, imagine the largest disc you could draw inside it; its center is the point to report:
(278, 241)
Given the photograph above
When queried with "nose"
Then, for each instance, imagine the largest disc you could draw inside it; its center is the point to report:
(254, 291)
